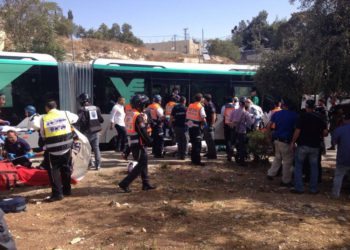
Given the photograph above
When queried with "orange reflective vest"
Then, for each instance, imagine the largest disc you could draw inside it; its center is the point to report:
(153, 110)
(127, 107)
(168, 108)
(194, 112)
(229, 108)
(130, 125)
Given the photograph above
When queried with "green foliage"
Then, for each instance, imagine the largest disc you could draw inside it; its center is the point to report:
(259, 144)
(312, 53)
(224, 48)
(30, 25)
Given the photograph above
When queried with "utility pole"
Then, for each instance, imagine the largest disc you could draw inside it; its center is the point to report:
(186, 45)
(175, 43)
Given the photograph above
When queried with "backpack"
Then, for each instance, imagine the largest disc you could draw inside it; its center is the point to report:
(8, 176)
(13, 205)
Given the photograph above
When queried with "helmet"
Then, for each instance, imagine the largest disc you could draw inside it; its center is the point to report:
(242, 99)
(83, 98)
(310, 104)
(139, 101)
(157, 98)
(31, 110)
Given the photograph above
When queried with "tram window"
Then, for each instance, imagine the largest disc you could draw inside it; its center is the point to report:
(218, 89)
(242, 91)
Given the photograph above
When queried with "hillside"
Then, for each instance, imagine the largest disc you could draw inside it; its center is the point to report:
(89, 49)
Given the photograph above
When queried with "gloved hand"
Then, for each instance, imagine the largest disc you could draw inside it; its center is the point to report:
(29, 132)
(11, 156)
(6, 123)
(29, 155)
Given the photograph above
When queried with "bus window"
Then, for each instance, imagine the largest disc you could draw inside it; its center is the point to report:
(242, 91)
(165, 87)
(218, 89)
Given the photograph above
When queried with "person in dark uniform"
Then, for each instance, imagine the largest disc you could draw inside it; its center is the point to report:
(18, 150)
(209, 130)
(178, 123)
(229, 132)
(89, 123)
(136, 127)
(195, 116)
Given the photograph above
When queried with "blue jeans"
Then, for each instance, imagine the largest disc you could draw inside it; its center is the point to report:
(311, 154)
(340, 172)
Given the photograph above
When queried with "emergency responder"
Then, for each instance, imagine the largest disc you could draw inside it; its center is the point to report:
(168, 108)
(56, 129)
(89, 123)
(195, 116)
(157, 115)
(229, 133)
(138, 139)
(209, 130)
(178, 123)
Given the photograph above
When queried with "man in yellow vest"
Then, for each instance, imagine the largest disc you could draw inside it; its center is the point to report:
(57, 134)
(138, 138)
(195, 116)
(157, 115)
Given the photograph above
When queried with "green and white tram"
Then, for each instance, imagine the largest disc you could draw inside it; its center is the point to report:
(30, 79)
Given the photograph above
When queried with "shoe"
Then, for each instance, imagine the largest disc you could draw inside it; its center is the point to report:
(159, 156)
(205, 155)
(67, 193)
(97, 168)
(270, 178)
(148, 187)
(229, 159)
(331, 148)
(53, 198)
(282, 184)
(181, 157)
(125, 189)
(212, 157)
(294, 191)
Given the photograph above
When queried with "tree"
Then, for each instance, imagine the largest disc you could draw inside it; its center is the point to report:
(127, 35)
(30, 26)
(114, 33)
(224, 48)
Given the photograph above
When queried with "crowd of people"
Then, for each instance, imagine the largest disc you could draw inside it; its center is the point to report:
(297, 138)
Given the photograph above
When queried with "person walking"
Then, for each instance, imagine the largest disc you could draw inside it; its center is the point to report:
(138, 138)
(196, 117)
(241, 120)
(157, 115)
(283, 122)
(57, 132)
(341, 138)
(178, 123)
(209, 130)
(89, 123)
(117, 121)
(310, 128)
(229, 133)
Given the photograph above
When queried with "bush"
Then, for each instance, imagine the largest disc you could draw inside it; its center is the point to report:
(259, 144)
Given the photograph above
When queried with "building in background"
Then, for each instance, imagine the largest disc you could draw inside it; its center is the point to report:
(182, 46)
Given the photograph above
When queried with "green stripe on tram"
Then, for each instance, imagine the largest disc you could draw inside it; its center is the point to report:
(162, 70)
(25, 62)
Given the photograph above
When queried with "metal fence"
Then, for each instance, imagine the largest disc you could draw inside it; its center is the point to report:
(74, 79)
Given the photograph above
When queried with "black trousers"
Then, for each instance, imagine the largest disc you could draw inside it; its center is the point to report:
(121, 138)
(196, 141)
(139, 153)
(158, 141)
(60, 173)
(230, 139)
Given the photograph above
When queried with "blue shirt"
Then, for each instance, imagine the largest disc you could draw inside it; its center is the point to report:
(342, 138)
(285, 121)
(19, 148)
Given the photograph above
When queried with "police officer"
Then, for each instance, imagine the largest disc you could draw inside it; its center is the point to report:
(57, 133)
(89, 124)
(229, 133)
(195, 116)
(157, 115)
(138, 139)
(209, 130)
(178, 123)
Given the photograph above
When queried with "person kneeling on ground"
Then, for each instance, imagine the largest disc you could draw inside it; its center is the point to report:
(18, 150)
(138, 138)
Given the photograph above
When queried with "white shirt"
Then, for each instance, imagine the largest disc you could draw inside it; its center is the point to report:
(118, 115)
(202, 112)
(160, 112)
(34, 122)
